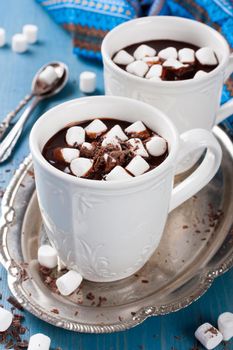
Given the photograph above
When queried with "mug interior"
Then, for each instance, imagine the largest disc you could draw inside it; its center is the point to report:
(89, 108)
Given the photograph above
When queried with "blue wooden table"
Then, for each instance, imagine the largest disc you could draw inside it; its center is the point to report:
(174, 331)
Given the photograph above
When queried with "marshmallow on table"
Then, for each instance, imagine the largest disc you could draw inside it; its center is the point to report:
(68, 282)
(47, 256)
(136, 127)
(186, 55)
(87, 82)
(6, 318)
(200, 74)
(137, 166)
(81, 166)
(75, 135)
(118, 173)
(173, 63)
(206, 56)
(151, 60)
(123, 58)
(155, 71)
(30, 31)
(138, 68)
(68, 154)
(19, 43)
(169, 52)
(137, 147)
(117, 132)
(48, 75)
(95, 128)
(143, 51)
(2, 37)
(39, 341)
(208, 336)
(225, 325)
(156, 146)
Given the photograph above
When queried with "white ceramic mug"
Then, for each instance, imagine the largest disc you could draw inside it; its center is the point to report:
(193, 103)
(108, 230)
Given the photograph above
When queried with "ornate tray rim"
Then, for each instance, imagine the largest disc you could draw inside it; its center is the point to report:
(14, 271)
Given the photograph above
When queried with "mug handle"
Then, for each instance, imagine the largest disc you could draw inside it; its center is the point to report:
(226, 110)
(191, 141)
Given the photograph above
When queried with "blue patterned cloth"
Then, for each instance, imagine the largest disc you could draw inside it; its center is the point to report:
(90, 20)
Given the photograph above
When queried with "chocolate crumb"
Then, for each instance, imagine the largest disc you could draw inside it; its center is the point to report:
(185, 227)
(145, 281)
(15, 303)
(90, 296)
(55, 311)
(101, 300)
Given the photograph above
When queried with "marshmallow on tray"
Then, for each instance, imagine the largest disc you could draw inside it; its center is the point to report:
(143, 51)
(123, 57)
(48, 75)
(137, 166)
(19, 43)
(186, 55)
(68, 154)
(30, 31)
(117, 174)
(47, 256)
(200, 74)
(155, 71)
(156, 146)
(116, 132)
(173, 63)
(137, 147)
(2, 37)
(75, 136)
(6, 318)
(87, 82)
(169, 52)
(225, 325)
(206, 56)
(95, 128)
(69, 282)
(81, 166)
(39, 341)
(138, 68)
(208, 336)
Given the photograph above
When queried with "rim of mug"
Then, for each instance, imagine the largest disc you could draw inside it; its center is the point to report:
(132, 182)
(167, 84)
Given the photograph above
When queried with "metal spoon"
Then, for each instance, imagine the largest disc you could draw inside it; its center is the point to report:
(40, 91)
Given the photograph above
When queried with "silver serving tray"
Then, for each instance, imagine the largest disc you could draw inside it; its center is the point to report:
(196, 247)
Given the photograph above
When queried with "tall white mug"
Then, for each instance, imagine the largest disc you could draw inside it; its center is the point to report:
(108, 230)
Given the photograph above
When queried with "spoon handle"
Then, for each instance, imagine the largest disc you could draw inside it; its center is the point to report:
(5, 123)
(9, 142)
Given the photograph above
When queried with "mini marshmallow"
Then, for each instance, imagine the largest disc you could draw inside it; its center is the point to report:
(208, 336)
(30, 31)
(169, 52)
(111, 141)
(225, 325)
(137, 166)
(95, 128)
(2, 37)
(138, 68)
(68, 282)
(118, 173)
(87, 82)
(200, 74)
(19, 43)
(108, 157)
(173, 63)
(151, 60)
(48, 75)
(143, 51)
(155, 71)
(75, 136)
(206, 56)
(186, 55)
(39, 341)
(68, 154)
(6, 318)
(155, 79)
(81, 166)
(123, 57)
(137, 147)
(136, 127)
(117, 132)
(156, 146)
(47, 256)
(87, 145)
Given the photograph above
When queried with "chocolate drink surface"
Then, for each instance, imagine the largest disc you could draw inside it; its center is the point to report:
(175, 60)
(106, 149)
